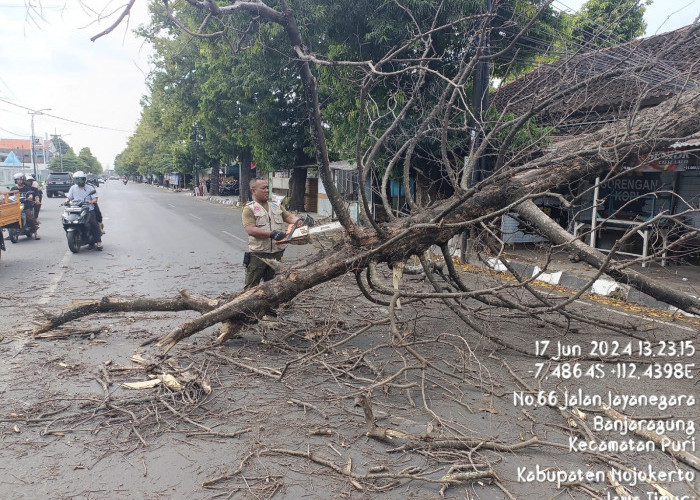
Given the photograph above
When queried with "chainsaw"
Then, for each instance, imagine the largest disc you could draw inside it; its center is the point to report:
(303, 231)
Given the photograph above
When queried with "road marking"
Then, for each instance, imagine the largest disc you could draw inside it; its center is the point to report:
(641, 316)
(46, 298)
(235, 237)
(194, 216)
(171, 205)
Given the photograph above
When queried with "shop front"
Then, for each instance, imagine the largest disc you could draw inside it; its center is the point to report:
(644, 207)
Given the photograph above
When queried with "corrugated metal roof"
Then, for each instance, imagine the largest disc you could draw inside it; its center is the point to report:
(608, 98)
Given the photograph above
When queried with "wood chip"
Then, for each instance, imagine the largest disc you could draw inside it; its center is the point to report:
(145, 384)
(171, 382)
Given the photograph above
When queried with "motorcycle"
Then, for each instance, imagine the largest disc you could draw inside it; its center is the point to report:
(16, 230)
(74, 218)
(229, 189)
(125, 180)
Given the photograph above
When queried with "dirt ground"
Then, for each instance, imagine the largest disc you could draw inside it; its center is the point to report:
(329, 401)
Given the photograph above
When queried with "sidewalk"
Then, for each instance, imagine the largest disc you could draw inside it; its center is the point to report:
(560, 270)
(529, 260)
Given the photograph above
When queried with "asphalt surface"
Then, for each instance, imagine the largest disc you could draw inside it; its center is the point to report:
(66, 431)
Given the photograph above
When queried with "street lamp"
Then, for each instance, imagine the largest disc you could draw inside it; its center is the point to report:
(37, 112)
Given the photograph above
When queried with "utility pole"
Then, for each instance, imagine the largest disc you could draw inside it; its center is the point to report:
(480, 102)
(59, 139)
(38, 112)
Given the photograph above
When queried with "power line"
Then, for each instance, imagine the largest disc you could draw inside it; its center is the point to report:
(13, 133)
(67, 119)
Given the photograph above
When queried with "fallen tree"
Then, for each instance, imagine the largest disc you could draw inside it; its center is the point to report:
(436, 226)
(511, 187)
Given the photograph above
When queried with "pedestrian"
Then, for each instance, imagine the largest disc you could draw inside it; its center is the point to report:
(265, 222)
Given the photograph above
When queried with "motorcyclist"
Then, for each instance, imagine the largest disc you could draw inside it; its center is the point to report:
(31, 196)
(31, 181)
(85, 192)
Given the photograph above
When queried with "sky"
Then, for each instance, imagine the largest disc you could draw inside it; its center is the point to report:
(91, 91)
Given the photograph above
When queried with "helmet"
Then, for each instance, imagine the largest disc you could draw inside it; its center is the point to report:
(29, 177)
(19, 175)
(79, 177)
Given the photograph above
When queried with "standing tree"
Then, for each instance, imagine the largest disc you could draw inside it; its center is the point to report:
(92, 163)
(67, 162)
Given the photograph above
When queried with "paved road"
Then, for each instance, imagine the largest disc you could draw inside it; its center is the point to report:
(157, 242)
(60, 438)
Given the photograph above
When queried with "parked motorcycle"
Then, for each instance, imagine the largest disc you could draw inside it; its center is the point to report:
(75, 217)
(229, 189)
(16, 230)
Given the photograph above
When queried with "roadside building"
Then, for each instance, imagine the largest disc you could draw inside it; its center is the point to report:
(615, 83)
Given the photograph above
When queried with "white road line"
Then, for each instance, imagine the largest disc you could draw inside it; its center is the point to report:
(235, 237)
(194, 216)
(50, 292)
(640, 316)
(171, 205)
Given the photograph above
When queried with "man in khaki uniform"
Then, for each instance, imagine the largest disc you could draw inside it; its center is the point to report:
(266, 223)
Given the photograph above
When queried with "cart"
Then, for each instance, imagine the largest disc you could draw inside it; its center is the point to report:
(10, 215)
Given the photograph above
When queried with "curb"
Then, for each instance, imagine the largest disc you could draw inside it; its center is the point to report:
(605, 287)
(222, 200)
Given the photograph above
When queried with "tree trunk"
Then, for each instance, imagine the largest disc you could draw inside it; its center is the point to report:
(557, 235)
(297, 189)
(252, 304)
(244, 171)
(214, 179)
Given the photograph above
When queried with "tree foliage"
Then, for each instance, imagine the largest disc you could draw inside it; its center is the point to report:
(604, 23)
(93, 165)
(68, 162)
(391, 90)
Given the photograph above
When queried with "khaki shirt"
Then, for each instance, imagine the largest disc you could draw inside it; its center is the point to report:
(269, 216)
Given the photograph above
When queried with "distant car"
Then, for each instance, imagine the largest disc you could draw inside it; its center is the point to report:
(58, 183)
(93, 180)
